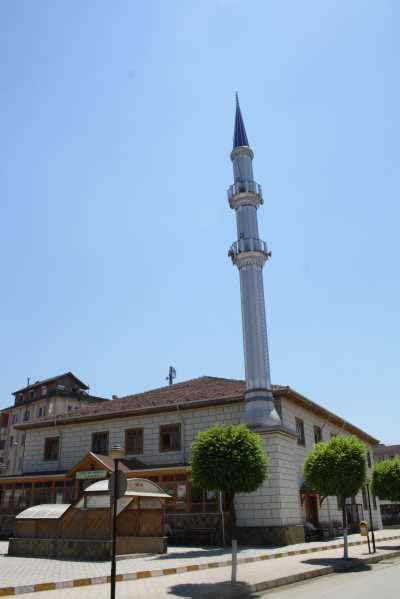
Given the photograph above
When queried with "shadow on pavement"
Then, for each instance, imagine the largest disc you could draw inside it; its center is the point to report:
(204, 552)
(222, 590)
(190, 554)
(339, 564)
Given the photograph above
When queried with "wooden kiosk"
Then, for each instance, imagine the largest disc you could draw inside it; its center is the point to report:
(83, 530)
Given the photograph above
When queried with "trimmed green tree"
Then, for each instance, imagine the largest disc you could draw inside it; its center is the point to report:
(230, 459)
(337, 467)
(386, 479)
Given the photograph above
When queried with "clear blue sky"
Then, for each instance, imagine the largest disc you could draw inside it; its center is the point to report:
(116, 128)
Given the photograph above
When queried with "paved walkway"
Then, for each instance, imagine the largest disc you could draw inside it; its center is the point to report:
(17, 571)
(214, 583)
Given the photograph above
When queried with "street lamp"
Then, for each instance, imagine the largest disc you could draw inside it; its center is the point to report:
(117, 453)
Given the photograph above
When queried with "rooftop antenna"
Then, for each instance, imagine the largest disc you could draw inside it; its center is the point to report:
(171, 375)
(28, 381)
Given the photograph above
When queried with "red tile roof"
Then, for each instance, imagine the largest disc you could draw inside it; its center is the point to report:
(201, 389)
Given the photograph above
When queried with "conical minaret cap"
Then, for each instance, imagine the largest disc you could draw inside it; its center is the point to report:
(239, 136)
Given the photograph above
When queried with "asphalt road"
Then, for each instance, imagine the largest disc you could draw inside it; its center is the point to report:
(376, 581)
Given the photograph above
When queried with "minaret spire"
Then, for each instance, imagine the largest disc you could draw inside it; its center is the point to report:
(239, 136)
(249, 253)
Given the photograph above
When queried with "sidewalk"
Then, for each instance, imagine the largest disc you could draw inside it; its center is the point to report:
(29, 571)
(252, 577)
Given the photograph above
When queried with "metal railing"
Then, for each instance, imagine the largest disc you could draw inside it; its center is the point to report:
(244, 187)
(248, 244)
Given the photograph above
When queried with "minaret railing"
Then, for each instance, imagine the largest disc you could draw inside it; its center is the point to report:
(248, 244)
(244, 187)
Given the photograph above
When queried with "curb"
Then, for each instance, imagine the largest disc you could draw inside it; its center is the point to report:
(82, 582)
(279, 582)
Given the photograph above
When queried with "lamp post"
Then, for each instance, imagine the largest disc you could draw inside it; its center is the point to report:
(117, 453)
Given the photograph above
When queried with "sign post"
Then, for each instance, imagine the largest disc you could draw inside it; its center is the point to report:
(370, 519)
(116, 453)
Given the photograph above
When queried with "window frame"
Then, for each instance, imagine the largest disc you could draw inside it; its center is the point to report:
(301, 437)
(317, 429)
(140, 431)
(47, 457)
(164, 430)
(108, 442)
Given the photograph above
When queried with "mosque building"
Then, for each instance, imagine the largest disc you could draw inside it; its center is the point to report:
(64, 454)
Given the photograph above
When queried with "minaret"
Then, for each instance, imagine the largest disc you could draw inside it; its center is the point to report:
(249, 253)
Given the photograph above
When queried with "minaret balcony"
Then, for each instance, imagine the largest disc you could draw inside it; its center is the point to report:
(247, 245)
(244, 187)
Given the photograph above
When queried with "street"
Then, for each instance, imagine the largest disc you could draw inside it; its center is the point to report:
(369, 582)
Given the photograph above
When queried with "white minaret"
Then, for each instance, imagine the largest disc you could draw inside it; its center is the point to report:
(249, 253)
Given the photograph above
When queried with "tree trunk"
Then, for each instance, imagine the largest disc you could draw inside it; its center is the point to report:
(230, 499)
(345, 540)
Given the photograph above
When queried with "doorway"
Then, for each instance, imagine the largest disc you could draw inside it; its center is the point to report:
(311, 509)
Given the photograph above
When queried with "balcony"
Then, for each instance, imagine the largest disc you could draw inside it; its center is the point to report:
(248, 244)
(244, 187)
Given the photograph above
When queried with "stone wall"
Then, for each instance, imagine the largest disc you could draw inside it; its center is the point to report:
(76, 439)
(275, 504)
(328, 511)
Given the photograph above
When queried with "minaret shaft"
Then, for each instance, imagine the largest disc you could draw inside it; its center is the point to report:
(249, 253)
(255, 342)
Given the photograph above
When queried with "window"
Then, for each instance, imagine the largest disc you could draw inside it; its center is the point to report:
(32, 394)
(11, 440)
(134, 440)
(170, 437)
(339, 502)
(317, 434)
(26, 415)
(15, 418)
(100, 443)
(44, 390)
(51, 446)
(300, 432)
(369, 459)
(40, 412)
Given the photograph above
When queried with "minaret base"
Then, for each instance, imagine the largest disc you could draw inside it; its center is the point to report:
(259, 409)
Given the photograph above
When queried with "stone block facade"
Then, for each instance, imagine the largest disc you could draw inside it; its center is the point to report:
(273, 513)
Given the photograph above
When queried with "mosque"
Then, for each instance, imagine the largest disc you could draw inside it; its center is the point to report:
(63, 454)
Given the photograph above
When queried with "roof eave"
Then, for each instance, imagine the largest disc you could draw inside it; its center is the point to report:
(132, 412)
(331, 417)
